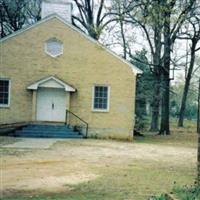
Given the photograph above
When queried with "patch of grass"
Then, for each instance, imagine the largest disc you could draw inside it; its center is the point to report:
(137, 180)
(186, 137)
(187, 192)
(162, 197)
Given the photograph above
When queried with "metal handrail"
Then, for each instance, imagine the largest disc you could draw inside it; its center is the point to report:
(66, 121)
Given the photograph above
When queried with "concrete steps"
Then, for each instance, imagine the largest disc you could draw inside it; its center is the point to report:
(47, 131)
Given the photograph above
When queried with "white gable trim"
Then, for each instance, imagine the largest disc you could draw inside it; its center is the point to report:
(134, 69)
(41, 83)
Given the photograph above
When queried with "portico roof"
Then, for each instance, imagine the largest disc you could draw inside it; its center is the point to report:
(51, 82)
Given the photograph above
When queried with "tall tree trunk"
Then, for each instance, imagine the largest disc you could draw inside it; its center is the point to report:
(198, 131)
(187, 85)
(165, 77)
(198, 160)
(157, 64)
(164, 126)
(155, 105)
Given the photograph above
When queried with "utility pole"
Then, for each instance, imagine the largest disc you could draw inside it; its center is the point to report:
(198, 132)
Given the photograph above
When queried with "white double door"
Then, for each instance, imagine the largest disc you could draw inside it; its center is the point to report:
(51, 104)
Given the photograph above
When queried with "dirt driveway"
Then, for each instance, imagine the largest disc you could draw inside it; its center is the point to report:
(78, 163)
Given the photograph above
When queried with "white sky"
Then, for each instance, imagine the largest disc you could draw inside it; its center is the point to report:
(138, 42)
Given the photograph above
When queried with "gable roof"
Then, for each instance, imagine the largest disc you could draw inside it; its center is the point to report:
(60, 84)
(53, 16)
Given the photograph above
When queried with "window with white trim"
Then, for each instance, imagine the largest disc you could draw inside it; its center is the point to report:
(4, 92)
(54, 47)
(101, 98)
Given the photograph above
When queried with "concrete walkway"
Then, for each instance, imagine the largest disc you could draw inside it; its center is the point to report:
(33, 143)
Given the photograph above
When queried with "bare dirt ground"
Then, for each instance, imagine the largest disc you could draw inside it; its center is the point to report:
(72, 162)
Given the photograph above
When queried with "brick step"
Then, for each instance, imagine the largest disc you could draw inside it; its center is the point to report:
(47, 127)
(47, 131)
(49, 136)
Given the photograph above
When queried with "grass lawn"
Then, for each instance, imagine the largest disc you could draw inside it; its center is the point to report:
(186, 136)
(99, 169)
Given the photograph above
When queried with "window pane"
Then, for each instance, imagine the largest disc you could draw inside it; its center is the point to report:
(105, 106)
(104, 101)
(6, 95)
(96, 93)
(1, 100)
(96, 100)
(54, 47)
(95, 105)
(5, 101)
(105, 94)
(4, 85)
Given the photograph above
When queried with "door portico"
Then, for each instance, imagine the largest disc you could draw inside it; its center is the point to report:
(51, 98)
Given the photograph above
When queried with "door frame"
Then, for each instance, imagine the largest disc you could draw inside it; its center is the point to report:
(34, 104)
(49, 82)
(46, 98)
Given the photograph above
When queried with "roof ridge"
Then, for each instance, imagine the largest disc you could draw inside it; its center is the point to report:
(54, 15)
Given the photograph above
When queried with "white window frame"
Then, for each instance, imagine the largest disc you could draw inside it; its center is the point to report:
(9, 93)
(62, 47)
(108, 100)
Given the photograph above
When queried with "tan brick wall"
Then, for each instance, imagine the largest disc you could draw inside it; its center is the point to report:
(83, 64)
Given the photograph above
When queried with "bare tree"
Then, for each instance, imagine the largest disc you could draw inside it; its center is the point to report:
(93, 17)
(147, 16)
(193, 34)
(119, 6)
(15, 14)
(160, 22)
(12, 16)
(33, 11)
(171, 29)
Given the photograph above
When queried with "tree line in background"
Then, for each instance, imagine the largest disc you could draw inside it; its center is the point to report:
(165, 33)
